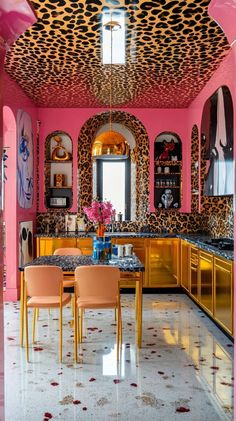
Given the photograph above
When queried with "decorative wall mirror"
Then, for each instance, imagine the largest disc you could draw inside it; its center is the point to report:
(217, 136)
(58, 170)
(167, 171)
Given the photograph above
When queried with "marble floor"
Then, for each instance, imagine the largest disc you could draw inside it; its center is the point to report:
(183, 371)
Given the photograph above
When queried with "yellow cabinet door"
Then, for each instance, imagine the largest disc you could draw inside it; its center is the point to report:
(139, 248)
(206, 280)
(163, 262)
(86, 245)
(47, 246)
(184, 278)
(193, 273)
(223, 293)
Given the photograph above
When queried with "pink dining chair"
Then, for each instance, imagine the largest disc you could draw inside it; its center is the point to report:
(68, 251)
(96, 287)
(44, 287)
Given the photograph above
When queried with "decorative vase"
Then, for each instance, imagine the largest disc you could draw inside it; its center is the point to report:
(100, 230)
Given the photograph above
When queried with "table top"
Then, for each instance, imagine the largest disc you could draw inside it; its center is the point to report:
(69, 263)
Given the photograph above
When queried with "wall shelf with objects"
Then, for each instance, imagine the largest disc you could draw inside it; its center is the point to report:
(167, 171)
(58, 170)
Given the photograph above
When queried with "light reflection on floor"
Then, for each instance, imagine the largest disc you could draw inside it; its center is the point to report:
(183, 371)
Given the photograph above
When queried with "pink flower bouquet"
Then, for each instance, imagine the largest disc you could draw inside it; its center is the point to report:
(100, 212)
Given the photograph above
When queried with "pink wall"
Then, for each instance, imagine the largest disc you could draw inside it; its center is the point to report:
(14, 99)
(154, 120)
(15, 17)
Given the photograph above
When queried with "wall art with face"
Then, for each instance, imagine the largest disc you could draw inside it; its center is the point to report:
(217, 133)
(24, 159)
(25, 242)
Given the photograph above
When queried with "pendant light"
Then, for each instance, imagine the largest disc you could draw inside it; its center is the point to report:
(110, 144)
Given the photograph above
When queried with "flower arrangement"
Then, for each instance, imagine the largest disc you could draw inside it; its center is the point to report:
(100, 212)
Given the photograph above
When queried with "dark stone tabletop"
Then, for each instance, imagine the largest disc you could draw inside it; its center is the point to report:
(69, 263)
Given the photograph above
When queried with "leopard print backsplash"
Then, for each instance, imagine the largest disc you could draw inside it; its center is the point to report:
(173, 222)
(217, 224)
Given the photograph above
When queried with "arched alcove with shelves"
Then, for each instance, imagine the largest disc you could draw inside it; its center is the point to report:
(167, 171)
(58, 171)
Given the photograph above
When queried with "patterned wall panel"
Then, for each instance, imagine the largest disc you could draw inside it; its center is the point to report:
(195, 170)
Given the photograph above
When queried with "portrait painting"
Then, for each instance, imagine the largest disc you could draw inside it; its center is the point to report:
(217, 133)
(25, 242)
(24, 159)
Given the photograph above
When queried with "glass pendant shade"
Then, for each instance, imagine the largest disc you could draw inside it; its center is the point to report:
(110, 145)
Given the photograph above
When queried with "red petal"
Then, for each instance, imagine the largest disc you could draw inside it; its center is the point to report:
(182, 409)
(54, 384)
(48, 415)
(76, 402)
(92, 379)
(161, 372)
(38, 348)
(133, 384)
(117, 381)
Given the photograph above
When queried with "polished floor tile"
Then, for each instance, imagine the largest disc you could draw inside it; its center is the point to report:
(184, 370)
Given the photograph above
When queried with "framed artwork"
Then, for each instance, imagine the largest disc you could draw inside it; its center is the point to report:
(25, 242)
(70, 222)
(217, 132)
(24, 159)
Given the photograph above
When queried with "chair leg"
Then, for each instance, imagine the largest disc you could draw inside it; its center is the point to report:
(115, 315)
(81, 314)
(33, 325)
(60, 356)
(72, 304)
(75, 331)
(117, 336)
(37, 313)
(26, 327)
(120, 325)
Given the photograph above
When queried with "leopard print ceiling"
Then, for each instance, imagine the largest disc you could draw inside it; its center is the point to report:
(57, 61)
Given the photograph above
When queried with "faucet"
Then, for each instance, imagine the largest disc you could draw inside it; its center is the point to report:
(112, 224)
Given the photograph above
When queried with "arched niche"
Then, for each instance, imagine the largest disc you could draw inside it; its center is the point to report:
(140, 155)
(167, 171)
(195, 165)
(58, 172)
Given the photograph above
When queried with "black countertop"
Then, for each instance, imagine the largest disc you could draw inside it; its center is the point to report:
(69, 263)
(195, 239)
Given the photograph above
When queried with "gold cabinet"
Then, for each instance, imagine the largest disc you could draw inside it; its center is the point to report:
(140, 249)
(206, 280)
(163, 262)
(223, 293)
(184, 277)
(193, 272)
(46, 246)
(86, 245)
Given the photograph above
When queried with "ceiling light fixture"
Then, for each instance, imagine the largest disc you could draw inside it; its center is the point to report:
(110, 144)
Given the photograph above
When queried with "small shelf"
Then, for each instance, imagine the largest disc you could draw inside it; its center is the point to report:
(167, 174)
(166, 163)
(57, 162)
(63, 187)
(167, 187)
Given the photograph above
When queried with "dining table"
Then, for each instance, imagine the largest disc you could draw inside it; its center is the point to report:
(129, 266)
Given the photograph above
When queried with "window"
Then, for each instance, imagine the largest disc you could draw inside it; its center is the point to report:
(113, 183)
(118, 37)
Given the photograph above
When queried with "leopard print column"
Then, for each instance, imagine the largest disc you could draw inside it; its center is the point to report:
(195, 170)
